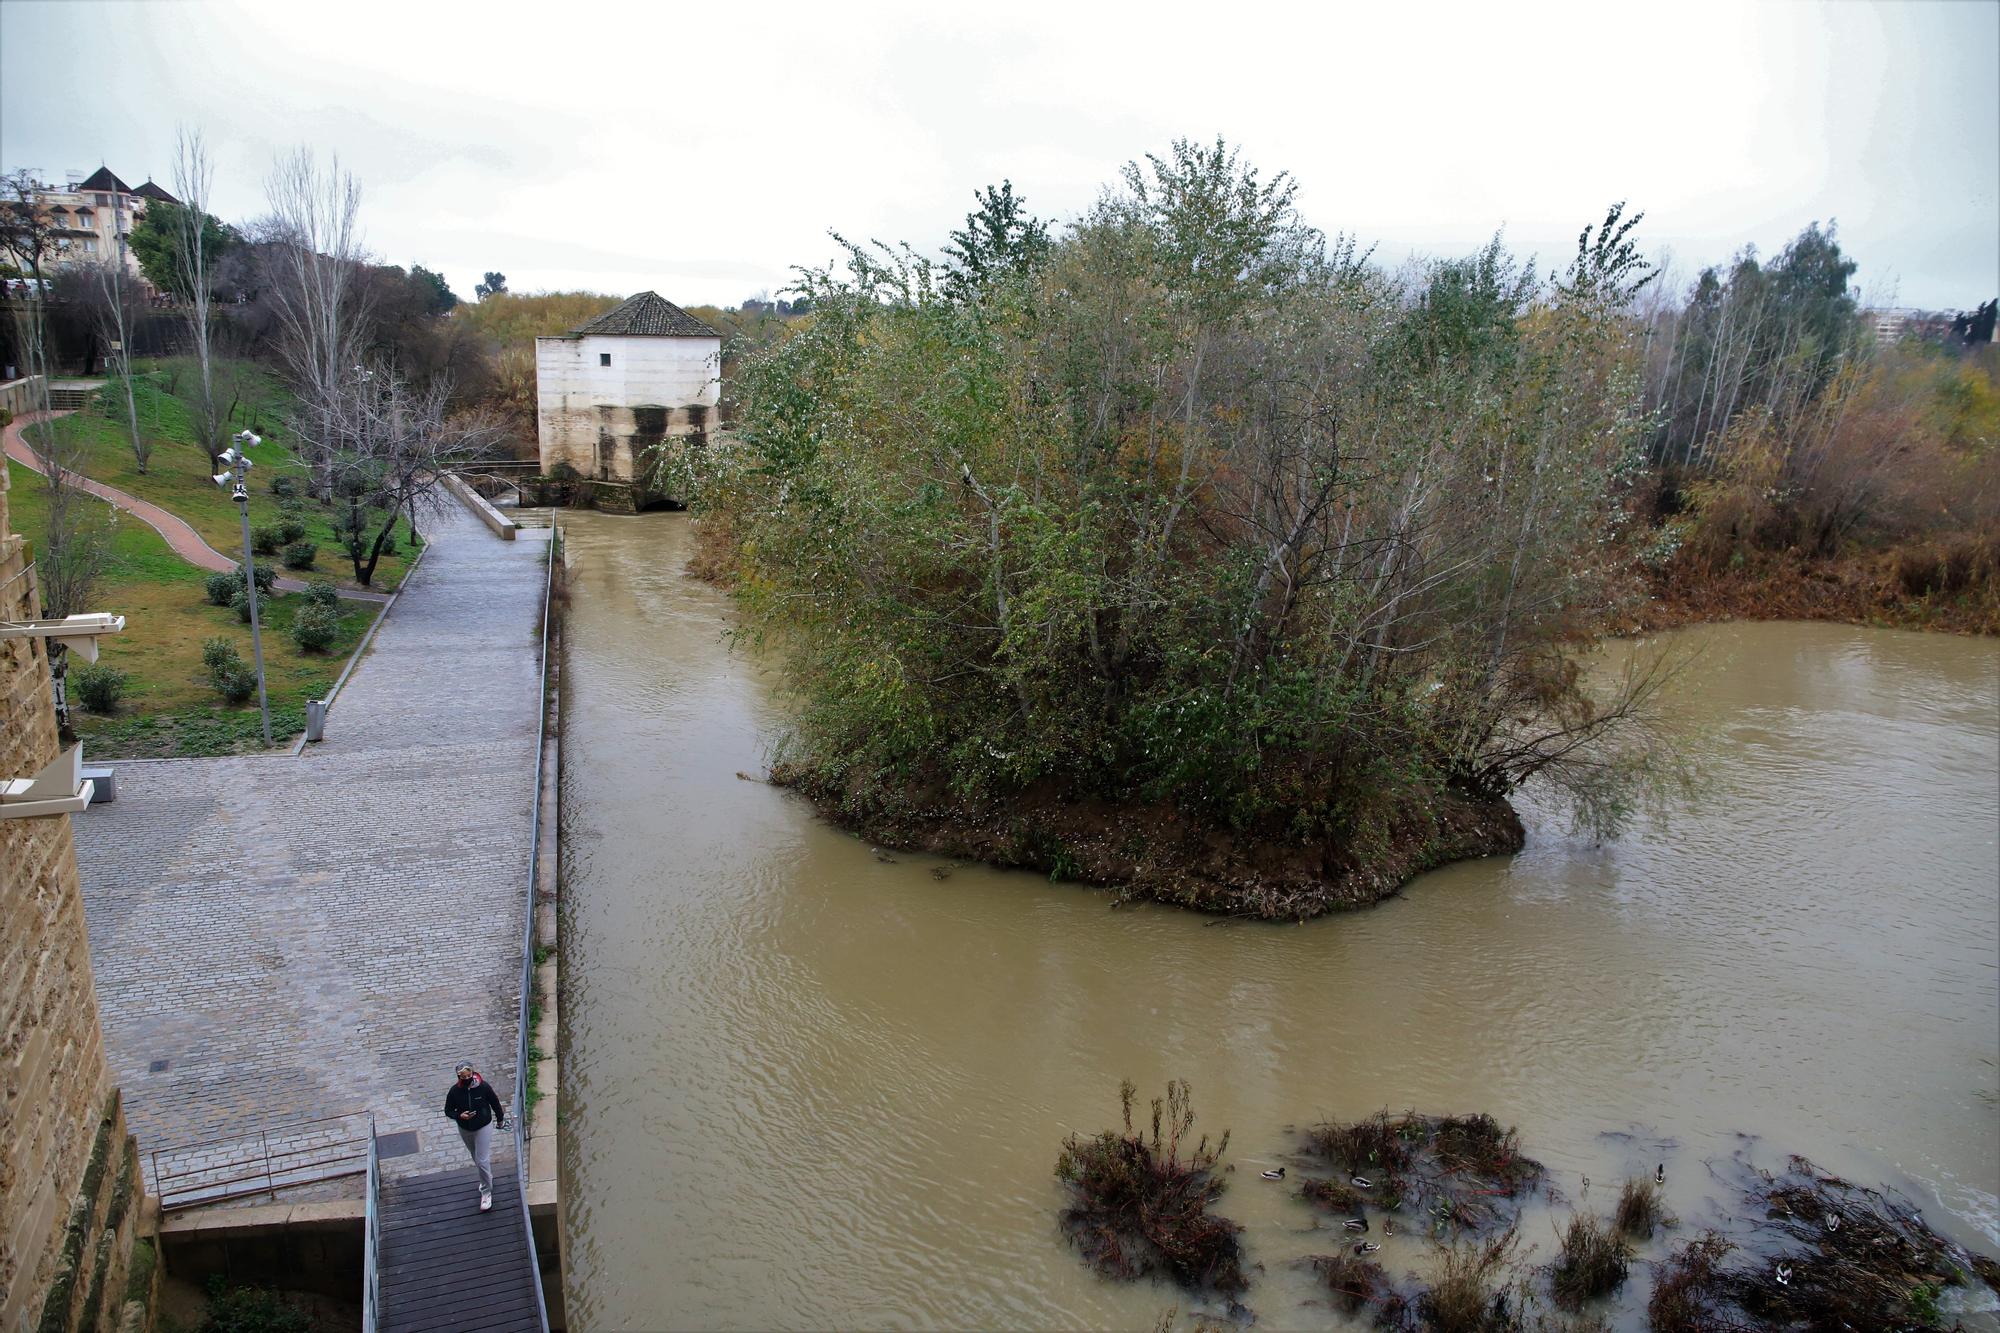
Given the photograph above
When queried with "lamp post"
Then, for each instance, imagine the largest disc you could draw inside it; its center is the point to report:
(240, 492)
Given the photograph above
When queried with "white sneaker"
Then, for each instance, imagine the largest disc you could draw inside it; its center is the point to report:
(485, 1201)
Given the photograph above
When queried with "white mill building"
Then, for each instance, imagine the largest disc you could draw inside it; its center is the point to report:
(614, 386)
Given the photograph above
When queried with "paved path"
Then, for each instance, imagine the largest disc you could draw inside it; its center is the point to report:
(279, 939)
(182, 539)
(445, 1265)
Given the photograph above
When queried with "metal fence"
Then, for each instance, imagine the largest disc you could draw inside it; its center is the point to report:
(371, 1252)
(528, 941)
(260, 1161)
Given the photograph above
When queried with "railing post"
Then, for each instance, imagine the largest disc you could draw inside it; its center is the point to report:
(264, 1137)
(372, 1237)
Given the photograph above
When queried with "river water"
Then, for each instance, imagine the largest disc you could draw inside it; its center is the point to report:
(807, 1085)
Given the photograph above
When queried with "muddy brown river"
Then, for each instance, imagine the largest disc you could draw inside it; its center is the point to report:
(805, 1085)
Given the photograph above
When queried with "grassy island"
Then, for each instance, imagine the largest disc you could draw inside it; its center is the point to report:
(1191, 552)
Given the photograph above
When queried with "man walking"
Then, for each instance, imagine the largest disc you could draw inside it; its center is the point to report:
(475, 1108)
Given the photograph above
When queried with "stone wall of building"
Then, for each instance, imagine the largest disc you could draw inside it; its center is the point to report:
(54, 1084)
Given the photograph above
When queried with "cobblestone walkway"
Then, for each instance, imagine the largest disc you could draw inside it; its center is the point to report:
(278, 939)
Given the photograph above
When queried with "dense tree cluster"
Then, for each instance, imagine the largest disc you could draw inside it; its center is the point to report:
(1192, 504)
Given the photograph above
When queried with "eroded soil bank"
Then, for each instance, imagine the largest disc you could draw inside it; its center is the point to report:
(1914, 589)
(1157, 853)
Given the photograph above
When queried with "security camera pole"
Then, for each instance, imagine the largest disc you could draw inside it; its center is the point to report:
(240, 493)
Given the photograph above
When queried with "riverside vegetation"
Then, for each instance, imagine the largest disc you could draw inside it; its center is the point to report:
(1793, 1249)
(1192, 552)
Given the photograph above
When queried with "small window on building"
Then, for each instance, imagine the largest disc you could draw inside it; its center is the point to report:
(604, 358)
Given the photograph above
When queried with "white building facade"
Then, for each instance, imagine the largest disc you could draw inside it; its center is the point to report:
(91, 218)
(615, 387)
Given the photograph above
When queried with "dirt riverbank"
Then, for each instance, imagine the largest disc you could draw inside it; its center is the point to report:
(1157, 853)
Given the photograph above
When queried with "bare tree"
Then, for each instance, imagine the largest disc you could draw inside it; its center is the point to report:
(317, 258)
(194, 178)
(114, 313)
(391, 445)
(72, 547)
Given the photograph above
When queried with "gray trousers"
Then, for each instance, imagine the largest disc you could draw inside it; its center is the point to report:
(479, 1142)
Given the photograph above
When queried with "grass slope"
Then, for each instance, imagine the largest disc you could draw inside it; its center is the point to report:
(177, 477)
(169, 707)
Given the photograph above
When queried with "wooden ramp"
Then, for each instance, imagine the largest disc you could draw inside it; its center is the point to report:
(447, 1266)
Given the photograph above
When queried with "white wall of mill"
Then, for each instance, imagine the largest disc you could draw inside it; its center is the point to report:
(667, 372)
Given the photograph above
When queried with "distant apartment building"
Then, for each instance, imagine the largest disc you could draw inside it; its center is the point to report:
(1891, 325)
(91, 217)
(611, 389)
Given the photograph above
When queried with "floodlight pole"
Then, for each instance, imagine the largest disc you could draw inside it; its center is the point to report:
(241, 493)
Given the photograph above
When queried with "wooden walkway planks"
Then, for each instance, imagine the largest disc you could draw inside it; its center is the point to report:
(445, 1265)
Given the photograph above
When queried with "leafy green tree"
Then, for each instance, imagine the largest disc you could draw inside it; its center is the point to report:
(1767, 336)
(1000, 239)
(156, 243)
(1219, 515)
(495, 284)
(440, 297)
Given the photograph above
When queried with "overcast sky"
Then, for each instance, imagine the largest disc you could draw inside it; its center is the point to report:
(704, 149)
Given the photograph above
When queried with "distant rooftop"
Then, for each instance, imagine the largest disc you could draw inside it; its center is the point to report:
(154, 192)
(647, 315)
(102, 179)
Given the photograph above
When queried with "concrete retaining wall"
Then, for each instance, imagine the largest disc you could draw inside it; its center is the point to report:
(502, 527)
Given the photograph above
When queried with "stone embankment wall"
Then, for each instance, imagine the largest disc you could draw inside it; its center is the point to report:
(69, 1190)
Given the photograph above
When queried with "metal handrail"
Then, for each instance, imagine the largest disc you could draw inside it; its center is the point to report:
(192, 1144)
(259, 1169)
(528, 944)
(371, 1237)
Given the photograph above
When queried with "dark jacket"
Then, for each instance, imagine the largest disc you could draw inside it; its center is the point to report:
(480, 1099)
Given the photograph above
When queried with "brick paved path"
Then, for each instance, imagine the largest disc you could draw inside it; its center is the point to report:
(297, 937)
(182, 539)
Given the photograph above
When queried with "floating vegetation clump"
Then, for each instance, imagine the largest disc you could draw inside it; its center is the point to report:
(1824, 1253)
(1691, 1292)
(1641, 1210)
(1140, 1203)
(1462, 1172)
(1593, 1263)
(1470, 1293)
(1357, 1283)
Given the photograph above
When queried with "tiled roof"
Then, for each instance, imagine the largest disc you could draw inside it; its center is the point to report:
(646, 315)
(152, 191)
(102, 179)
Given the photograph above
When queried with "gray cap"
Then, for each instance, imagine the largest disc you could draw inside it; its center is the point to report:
(462, 1067)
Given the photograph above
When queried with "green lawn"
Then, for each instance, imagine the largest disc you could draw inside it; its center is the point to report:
(169, 707)
(177, 477)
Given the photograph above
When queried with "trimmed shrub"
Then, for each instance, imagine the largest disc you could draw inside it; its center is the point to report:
(285, 488)
(267, 577)
(224, 588)
(218, 652)
(314, 629)
(237, 683)
(265, 540)
(241, 605)
(299, 554)
(322, 593)
(389, 543)
(99, 686)
(290, 529)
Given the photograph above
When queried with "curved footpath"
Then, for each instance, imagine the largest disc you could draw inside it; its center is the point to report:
(184, 540)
